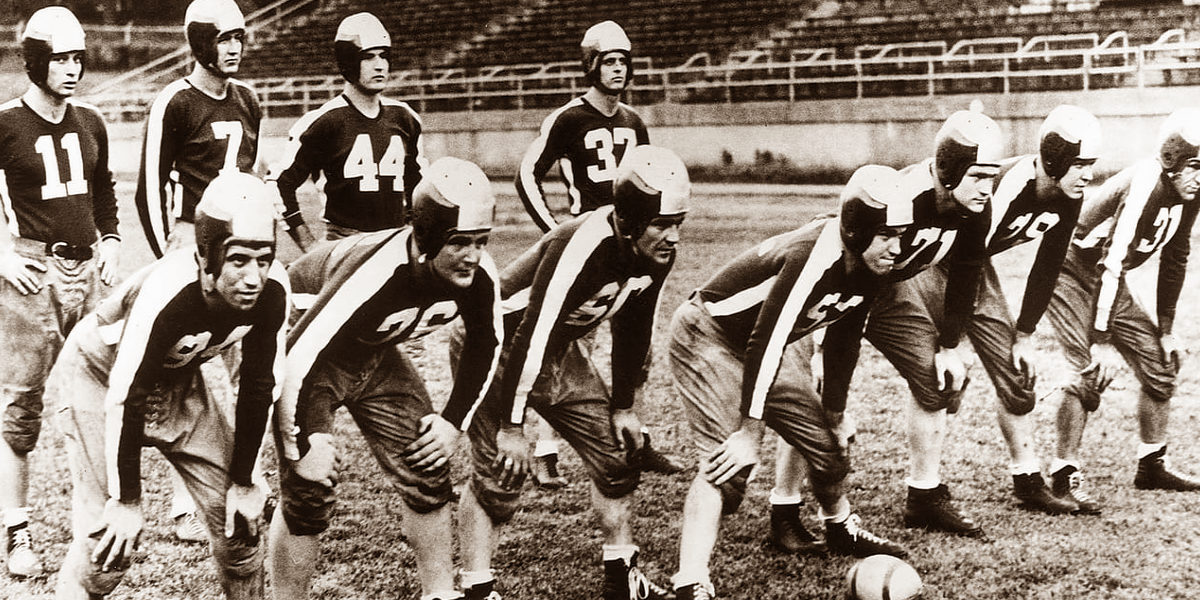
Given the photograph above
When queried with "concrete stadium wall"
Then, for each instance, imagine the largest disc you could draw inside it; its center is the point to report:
(841, 134)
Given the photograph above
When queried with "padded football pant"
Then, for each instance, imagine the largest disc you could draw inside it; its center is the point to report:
(1134, 334)
(708, 375)
(32, 331)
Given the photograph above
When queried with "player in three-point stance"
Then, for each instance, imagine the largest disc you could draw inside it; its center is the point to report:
(608, 263)
(368, 293)
(367, 147)
(587, 137)
(1037, 199)
(741, 349)
(198, 126)
(128, 377)
(57, 193)
(917, 322)
(1147, 208)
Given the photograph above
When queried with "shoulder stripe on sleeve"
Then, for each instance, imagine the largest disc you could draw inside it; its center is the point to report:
(10, 215)
(155, 208)
(1014, 182)
(583, 243)
(489, 266)
(742, 300)
(825, 252)
(302, 125)
(1124, 231)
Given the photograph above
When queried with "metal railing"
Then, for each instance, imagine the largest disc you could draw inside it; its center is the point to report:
(986, 66)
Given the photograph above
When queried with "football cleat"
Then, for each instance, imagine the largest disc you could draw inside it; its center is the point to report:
(788, 533)
(188, 529)
(850, 539)
(651, 460)
(1032, 494)
(696, 591)
(22, 561)
(482, 591)
(934, 510)
(625, 581)
(546, 474)
(1153, 473)
(1068, 483)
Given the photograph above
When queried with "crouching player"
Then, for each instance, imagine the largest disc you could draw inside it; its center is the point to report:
(128, 377)
(368, 293)
(610, 262)
(741, 350)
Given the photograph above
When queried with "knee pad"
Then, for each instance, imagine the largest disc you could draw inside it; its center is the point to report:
(830, 469)
(1020, 401)
(89, 575)
(1086, 391)
(619, 483)
(497, 503)
(306, 505)
(23, 421)
(734, 491)
(428, 495)
(239, 558)
(1160, 394)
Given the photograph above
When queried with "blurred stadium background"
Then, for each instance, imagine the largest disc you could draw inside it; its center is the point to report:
(825, 85)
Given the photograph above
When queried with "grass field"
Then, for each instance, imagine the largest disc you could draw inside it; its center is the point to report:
(1144, 546)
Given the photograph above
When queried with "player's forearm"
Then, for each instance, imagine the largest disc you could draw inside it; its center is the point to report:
(250, 424)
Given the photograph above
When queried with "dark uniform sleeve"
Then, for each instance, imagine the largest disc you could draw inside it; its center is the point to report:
(967, 258)
(757, 376)
(414, 160)
(104, 197)
(160, 146)
(517, 347)
(539, 157)
(843, 341)
(1043, 275)
(1172, 268)
(484, 325)
(632, 331)
(301, 161)
(261, 351)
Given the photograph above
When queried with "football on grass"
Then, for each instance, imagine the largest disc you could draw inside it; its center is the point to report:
(882, 577)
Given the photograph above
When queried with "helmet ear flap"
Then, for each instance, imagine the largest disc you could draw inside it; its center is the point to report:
(1179, 139)
(651, 182)
(50, 30)
(966, 138)
(454, 196)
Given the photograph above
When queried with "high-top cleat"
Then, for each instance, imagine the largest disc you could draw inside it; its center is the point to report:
(933, 509)
(1068, 483)
(651, 460)
(850, 539)
(545, 472)
(696, 591)
(482, 591)
(625, 581)
(1153, 473)
(1032, 494)
(788, 533)
(22, 560)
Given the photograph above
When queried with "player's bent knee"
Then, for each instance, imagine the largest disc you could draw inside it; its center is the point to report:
(1086, 392)
(1160, 393)
(23, 422)
(90, 576)
(426, 497)
(498, 504)
(733, 491)
(830, 469)
(618, 484)
(1019, 403)
(306, 505)
(239, 558)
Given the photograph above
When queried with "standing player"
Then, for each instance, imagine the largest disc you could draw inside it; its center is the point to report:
(1147, 207)
(609, 263)
(57, 193)
(368, 147)
(587, 137)
(128, 377)
(917, 322)
(1037, 200)
(372, 292)
(740, 353)
(198, 126)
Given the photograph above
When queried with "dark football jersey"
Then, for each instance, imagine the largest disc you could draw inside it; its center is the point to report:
(1133, 215)
(370, 290)
(563, 287)
(782, 290)
(588, 147)
(371, 165)
(55, 182)
(954, 235)
(1019, 215)
(156, 328)
(190, 137)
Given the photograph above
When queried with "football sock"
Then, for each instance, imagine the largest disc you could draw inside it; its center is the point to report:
(1145, 450)
(1059, 464)
(623, 552)
(1024, 468)
(778, 498)
(471, 579)
(545, 447)
(843, 513)
(16, 516)
(922, 484)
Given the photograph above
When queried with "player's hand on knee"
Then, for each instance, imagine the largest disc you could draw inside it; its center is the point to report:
(433, 449)
(628, 429)
(512, 456)
(951, 369)
(244, 511)
(738, 451)
(320, 463)
(1173, 351)
(1022, 352)
(21, 272)
(121, 524)
(1106, 362)
(108, 256)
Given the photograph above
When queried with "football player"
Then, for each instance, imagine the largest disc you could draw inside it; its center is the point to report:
(587, 137)
(58, 245)
(607, 263)
(741, 349)
(917, 322)
(1147, 208)
(368, 293)
(128, 377)
(368, 147)
(198, 126)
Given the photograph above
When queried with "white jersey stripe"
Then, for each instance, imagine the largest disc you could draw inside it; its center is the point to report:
(292, 148)
(742, 300)
(155, 207)
(10, 215)
(489, 266)
(1014, 181)
(1123, 233)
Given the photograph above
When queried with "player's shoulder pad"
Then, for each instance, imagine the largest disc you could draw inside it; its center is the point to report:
(553, 117)
(401, 104)
(86, 107)
(168, 94)
(306, 121)
(241, 84)
(11, 104)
